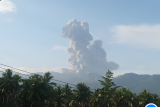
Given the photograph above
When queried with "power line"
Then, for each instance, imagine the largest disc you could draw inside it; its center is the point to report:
(16, 69)
(33, 73)
(13, 71)
(29, 75)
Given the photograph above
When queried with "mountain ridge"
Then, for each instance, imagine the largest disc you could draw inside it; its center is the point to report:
(134, 82)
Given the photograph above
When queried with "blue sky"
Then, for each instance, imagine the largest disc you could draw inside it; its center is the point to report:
(30, 33)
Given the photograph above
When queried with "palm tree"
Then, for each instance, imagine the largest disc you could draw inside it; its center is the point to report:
(145, 97)
(67, 95)
(73, 102)
(59, 96)
(17, 88)
(131, 98)
(34, 90)
(155, 99)
(9, 86)
(95, 100)
(50, 92)
(119, 98)
(37, 91)
(47, 77)
(83, 94)
(124, 98)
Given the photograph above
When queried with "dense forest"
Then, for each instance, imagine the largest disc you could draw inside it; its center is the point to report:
(39, 91)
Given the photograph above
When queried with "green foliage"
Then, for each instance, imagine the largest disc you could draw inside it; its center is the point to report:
(39, 91)
(83, 94)
(108, 90)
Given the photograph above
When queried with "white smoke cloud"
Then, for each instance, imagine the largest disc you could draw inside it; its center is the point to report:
(7, 6)
(85, 57)
(144, 35)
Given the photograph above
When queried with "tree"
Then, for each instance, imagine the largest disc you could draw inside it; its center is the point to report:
(59, 96)
(47, 78)
(50, 91)
(144, 98)
(95, 100)
(108, 89)
(34, 91)
(124, 98)
(156, 99)
(9, 86)
(73, 102)
(83, 94)
(67, 95)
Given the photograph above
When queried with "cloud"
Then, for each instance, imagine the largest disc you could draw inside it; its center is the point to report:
(85, 57)
(58, 47)
(7, 6)
(145, 35)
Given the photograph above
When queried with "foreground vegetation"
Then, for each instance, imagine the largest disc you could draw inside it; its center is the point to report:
(39, 91)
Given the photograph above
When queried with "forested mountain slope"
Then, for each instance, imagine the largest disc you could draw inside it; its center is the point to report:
(136, 83)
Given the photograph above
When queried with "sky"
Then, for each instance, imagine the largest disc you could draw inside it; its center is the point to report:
(31, 33)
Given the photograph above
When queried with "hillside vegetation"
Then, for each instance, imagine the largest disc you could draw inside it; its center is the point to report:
(39, 91)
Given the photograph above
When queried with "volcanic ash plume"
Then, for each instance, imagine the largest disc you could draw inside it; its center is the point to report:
(85, 57)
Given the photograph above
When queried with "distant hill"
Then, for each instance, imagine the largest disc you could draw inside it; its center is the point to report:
(136, 83)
